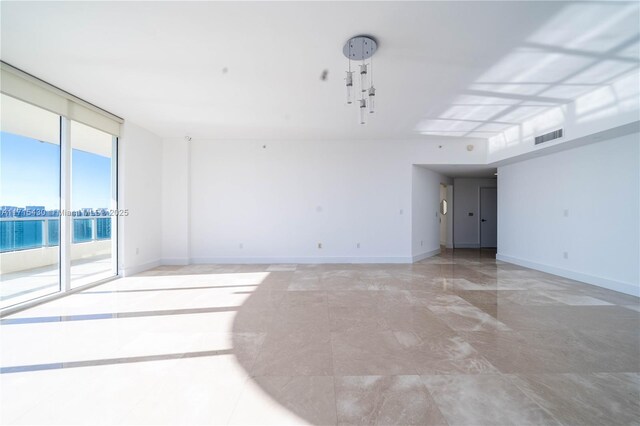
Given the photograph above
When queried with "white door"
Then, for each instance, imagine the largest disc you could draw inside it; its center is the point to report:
(488, 217)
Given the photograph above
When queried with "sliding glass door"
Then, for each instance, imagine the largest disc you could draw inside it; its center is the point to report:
(93, 203)
(29, 202)
(41, 154)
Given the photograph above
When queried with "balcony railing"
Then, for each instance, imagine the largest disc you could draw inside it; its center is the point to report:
(26, 233)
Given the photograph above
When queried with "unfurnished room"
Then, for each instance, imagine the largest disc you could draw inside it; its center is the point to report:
(319, 212)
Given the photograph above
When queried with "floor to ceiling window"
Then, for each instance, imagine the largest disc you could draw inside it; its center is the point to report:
(29, 202)
(92, 202)
(58, 198)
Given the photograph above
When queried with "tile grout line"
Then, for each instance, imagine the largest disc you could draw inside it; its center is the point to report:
(249, 376)
(515, 382)
(435, 401)
(333, 368)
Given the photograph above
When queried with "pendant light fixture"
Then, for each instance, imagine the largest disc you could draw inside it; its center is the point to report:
(349, 80)
(361, 48)
(363, 77)
(372, 99)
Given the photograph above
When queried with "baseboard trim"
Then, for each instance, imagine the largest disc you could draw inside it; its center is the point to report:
(573, 275)
(422, 256)
(300, 260)
(126, 272)
(178, 261)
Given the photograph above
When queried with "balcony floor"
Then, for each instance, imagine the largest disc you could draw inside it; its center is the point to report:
(29, 284)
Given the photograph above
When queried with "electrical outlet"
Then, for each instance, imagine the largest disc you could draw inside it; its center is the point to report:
(319, 245)
(566, 212)
(137, 251)
(401, 211)
(241, 245)
(358, 245)
(421, 243)
(566, 254)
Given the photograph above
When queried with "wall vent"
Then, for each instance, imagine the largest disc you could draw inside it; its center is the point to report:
(548, 136)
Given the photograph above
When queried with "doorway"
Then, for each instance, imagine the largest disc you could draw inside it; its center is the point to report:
(488, 217)
(445, 215)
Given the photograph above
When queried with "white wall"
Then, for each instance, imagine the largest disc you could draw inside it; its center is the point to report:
(139, 191)
(175, 202)
(450, 192)
(279, 202)
(584, 201)
(442, 217)
(425, 202)
(466, 229)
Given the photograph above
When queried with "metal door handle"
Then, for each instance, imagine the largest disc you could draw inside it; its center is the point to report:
(483, 220)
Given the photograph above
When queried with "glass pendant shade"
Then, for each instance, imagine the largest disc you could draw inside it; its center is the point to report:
(359, 51)
(363, 109)
(349, 80)
(372, 99)
(363, 77)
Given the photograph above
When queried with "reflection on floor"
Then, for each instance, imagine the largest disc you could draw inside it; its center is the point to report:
(29, 284)
(454, 339)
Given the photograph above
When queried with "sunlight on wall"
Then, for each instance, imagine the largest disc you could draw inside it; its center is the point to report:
(608, 103)
(551, 119)
(576, 68)
(619, 97)
(600, 36)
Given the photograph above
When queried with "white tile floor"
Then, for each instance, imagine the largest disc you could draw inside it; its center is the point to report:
(446, 340)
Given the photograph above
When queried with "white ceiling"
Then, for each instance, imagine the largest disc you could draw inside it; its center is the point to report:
(443, 68)
(463, 170)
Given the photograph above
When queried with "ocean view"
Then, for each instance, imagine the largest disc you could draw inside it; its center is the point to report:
(24, 234)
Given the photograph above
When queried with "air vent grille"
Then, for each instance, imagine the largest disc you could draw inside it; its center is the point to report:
(548, 136)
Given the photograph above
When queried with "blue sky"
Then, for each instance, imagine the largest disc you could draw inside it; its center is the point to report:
(29, 175)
